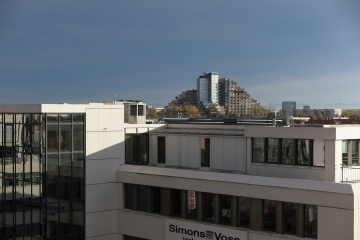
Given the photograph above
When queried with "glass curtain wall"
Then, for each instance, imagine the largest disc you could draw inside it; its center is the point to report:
(64, 188)
(137, 149)
(21, 176)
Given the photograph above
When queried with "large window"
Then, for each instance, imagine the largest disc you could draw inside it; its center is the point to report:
(269, 215)
(243, 212)
(175, 202)
(137, 149)
(225, 209)
(155, 200)
(205, 152)
(311, 221)
(289, 210)
(208, 207)
(258, 145)
(350, 152)
(161, 149)
(129, 196)
(283, 151)
(142, 197)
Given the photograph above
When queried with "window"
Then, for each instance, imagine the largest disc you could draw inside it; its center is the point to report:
(304, 151)
(175, 202)
(288, 151)
(129, 193)
(350, 152)
(141, 110)
(289, 210)
(273, 150)
(156, 200)
(311, 223)
(52, 138)
(191, 205)
(269, 215)
(258, 146)
(142, 197)
(205, 152)
(161, 149)
(243, 212)
(133, 110)
(137, 149)
(208, 207)
(225, 209)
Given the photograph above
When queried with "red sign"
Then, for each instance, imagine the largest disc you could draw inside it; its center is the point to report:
(191, 199)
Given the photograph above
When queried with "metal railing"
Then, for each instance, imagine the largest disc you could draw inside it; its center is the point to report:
(350, 173)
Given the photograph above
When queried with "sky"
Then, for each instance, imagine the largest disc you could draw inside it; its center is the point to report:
(85, 51)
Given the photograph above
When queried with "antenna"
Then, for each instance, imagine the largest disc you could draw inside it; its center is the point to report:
(114, 95)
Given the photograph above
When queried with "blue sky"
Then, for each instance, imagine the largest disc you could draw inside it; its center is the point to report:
(85, 51)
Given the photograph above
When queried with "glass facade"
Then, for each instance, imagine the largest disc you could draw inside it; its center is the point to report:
(311, 221)
(289, 211)
(137, 149)
(161, 149)
(205, 152)
(269, 215)
(42, 173)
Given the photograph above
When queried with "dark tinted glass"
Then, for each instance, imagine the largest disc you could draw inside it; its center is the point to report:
(243, 212)
(289, 218)
(273, 150)
(175, 202)
(130, 148)
(269, 215)
(142, 197)
(129, 193)
(311, 221)
(52, 138)
(52, 118)
(141, 110)
(65, 118)
(133, 110)
(208, 207)
(225, 209)
(156, 199)
(65, 138)
(78, 118)
(161, 149)
(288, 151)
(205, 152)
(78, 137)
(142, 149)
(304, 152)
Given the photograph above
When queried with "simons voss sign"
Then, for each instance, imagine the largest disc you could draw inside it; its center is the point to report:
(183, 230)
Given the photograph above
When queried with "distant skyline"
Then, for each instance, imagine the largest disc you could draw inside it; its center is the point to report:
(85, 51)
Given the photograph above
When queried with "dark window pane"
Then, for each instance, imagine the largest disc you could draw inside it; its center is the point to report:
(311, 221)
(273, 150)
(205, 152)
(52, 167)
(175, 202)
(142, 149)
(52, 118)
(130, 149)
(142, 197)
(208, 207)
(78, 137)
(129, 193)
(258, 146)
(161, 149)
(78, 118)
(269, 215)
(65, 166)
(65, 118)
(288, 151)
(191, 205)
(156, 199)
(243, 212)
(78, 166)
(225, 209)
(65, 138)
(133, 110)
(355, 152)
(304, 151)
(289, 218)
(141, 110)
(52, 138)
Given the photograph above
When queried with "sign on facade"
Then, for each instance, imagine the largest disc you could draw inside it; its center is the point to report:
(183, 230)
(191, 199)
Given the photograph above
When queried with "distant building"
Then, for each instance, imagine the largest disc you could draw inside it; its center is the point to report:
(288, 107)
(207, 88)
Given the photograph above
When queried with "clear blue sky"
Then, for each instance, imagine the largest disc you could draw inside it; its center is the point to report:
(85, 51)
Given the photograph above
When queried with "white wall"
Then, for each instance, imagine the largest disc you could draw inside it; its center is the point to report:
(104, 154)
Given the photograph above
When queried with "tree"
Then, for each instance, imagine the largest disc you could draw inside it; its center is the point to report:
(152, 114)
(320, 116)
(313, 117)
(173, 110)
(191, 111)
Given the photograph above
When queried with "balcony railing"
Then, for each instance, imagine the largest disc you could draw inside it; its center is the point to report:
(350, 173)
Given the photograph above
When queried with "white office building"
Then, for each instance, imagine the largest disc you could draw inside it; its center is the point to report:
(80, 172)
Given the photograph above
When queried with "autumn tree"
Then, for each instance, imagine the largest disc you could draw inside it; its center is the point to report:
(191, 111)
(313, 117)
(152, 114)
(173, 110)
